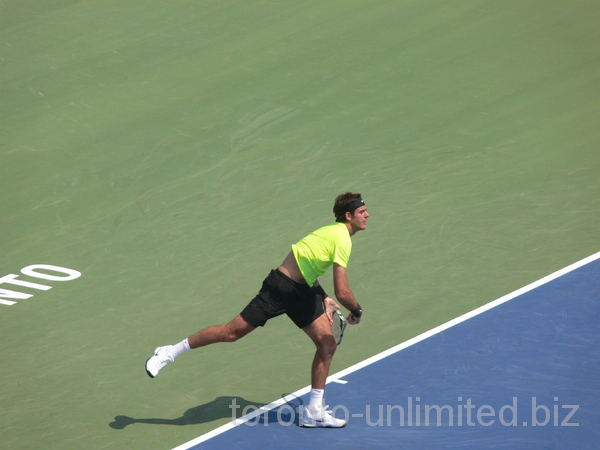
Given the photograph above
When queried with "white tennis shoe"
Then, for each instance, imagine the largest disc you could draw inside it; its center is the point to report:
(320, 417)
(162, 357)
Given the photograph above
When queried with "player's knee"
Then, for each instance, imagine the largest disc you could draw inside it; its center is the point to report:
(236, 329)
(327, 347)
(232, 336)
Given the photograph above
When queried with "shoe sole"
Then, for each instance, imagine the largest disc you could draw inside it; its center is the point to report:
(146, 367)
(311, 425)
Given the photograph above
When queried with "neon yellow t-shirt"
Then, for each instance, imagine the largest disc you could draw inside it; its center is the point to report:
(320, 249)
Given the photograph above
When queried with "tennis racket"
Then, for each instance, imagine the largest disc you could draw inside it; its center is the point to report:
(338, 326)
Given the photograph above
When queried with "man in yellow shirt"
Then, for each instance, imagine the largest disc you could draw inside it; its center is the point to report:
(293, 288)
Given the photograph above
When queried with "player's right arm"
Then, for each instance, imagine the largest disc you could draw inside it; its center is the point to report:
(344, 294)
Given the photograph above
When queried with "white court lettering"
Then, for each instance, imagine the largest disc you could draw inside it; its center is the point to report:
(8, 296)
(31, 271)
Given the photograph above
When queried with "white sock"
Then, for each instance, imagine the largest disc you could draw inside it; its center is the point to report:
(316, 398)
(178, 349)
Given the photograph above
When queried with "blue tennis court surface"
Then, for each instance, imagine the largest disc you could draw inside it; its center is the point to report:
(522, 372)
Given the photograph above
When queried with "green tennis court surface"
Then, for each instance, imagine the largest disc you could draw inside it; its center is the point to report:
(170, 152)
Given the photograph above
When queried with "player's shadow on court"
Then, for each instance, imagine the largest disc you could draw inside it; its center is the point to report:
(285, 414)
(219, 408)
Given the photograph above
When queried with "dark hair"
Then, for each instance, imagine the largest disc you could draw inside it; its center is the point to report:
(342, 204)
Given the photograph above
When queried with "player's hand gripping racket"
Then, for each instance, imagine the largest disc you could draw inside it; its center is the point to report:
(338, 326)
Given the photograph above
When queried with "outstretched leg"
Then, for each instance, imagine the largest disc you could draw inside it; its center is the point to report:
(230, 332)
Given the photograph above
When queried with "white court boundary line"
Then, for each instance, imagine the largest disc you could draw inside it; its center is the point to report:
(339, 375)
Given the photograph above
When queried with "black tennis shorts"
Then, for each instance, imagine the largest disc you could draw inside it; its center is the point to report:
(280, 294)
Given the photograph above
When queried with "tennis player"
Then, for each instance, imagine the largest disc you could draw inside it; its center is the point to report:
(293, 288)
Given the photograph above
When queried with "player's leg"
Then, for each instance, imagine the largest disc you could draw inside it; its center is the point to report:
(315, 413)
(260, 309)
(231, 332)
(320, 333)
(310, 315)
